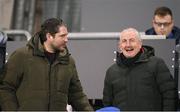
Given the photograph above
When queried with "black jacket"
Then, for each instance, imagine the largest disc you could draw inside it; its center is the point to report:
(145, 84)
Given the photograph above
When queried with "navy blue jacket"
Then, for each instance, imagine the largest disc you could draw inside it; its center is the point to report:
(175, 32)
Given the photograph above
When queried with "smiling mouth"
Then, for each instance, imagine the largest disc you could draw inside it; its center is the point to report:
(162, 31)
(129, 49)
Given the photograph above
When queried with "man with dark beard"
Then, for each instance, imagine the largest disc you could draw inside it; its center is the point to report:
(42, 75)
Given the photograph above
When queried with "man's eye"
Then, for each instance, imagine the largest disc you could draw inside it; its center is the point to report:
(123, 40)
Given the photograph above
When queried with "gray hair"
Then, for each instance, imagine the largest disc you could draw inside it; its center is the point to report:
(131, 30)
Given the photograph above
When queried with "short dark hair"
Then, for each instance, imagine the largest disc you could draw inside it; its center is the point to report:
(50, 26)
(163, 11)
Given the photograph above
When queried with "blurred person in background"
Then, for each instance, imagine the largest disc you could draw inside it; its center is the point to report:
(163, 24)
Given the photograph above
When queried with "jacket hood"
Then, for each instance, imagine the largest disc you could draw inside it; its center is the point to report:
(38, 49)
(145, 53)
(148, 51)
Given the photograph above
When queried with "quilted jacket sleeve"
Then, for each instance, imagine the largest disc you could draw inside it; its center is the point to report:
(77, 98)
(10, 82)
(167, 86)
(107, 91)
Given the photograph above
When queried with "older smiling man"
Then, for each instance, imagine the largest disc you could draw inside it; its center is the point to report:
(138, 80)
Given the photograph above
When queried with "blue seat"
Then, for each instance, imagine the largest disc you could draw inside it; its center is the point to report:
(108, 109)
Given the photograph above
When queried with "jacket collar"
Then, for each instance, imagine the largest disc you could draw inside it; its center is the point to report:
(38, 50)
(143, 56)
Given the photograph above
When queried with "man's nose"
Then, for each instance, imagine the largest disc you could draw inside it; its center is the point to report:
(162, 26)
(66, 39)
(128, 43)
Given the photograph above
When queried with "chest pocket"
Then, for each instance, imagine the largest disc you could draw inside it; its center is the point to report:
(149, 80)
(63, 75)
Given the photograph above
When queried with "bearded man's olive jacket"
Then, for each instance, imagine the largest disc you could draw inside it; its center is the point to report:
(31, 83)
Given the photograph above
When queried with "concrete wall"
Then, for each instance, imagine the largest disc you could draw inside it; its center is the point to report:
(115, 15)
(6, 8)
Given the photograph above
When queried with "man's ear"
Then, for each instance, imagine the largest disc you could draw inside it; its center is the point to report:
(119, 48)
(141, 44)
(173, 22)
(48, 36)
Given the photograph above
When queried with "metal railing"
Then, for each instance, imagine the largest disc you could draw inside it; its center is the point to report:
(18, 32)
(86, 35)
(107, 35)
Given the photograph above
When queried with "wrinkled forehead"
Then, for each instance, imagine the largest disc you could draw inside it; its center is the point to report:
(129, 35)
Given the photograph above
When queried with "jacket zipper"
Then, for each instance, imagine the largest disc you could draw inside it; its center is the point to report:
(49, 79)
